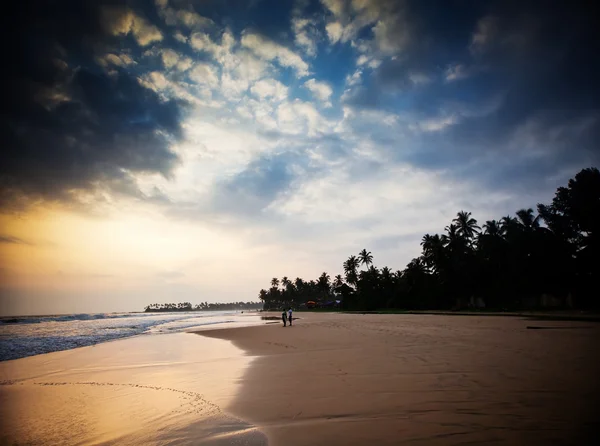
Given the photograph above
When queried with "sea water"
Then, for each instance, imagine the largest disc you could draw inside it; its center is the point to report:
(33, 335)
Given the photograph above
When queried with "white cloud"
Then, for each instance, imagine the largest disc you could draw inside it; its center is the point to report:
(187, 18)
(123, 21)
(204, 74)
(374, 63)
(240, 70)
(155, 81)
(304, 35)
(337, 7)
(169, 58)
(120, 60)
(387, 21)
(335, 31)
(270, 88)
(320, 90)
(354, 78)
(362, 59)
(202, 42)
(248, 67)
(270, 50)
(232, 87)
(180, 37)
(184, 64)
(435, 124)
(299, 118)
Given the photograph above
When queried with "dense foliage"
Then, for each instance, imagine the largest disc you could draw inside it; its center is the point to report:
(548, 259)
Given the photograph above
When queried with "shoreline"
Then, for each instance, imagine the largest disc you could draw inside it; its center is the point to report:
(339, 378)
(171, 388)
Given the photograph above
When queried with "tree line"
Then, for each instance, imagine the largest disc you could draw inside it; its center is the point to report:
(203, 306)
(548, 258)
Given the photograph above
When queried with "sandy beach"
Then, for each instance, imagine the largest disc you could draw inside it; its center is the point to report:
(428, 380)
(331, 379)
(155, 390)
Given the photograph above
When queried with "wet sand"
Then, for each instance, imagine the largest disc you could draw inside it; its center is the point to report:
(164, 389)
(340, 379)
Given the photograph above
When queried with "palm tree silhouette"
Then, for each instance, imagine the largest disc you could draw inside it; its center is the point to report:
(366, 258)
(527, 220)
(338, 281)
(350, 267)
(466, 225)
(493, 228)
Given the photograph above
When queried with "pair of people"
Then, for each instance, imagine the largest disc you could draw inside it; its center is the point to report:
(287, 317)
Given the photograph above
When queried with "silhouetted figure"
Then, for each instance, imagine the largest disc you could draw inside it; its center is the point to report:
(284, 318)
(290, 316)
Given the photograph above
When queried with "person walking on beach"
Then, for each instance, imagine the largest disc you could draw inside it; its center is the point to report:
(290, 316)
(284, 317)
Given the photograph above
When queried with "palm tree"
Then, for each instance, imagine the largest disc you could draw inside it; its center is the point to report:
(508, 225)
(493, 228)
(415, 267)
(433, 251)
(386, 274)
(453, 238)
(466, 225)
(338, 281)
(275, 282)
(350, 267)
(366, 258)
(324, 283)
(527, 220)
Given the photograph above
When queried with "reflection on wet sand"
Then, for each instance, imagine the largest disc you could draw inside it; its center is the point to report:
(145, 390)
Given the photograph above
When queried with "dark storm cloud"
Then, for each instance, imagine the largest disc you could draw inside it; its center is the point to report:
(68, 125)
(536, 61)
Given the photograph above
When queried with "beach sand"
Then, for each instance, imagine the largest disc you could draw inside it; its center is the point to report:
(162, 389)
(340, 379)
(331, 379)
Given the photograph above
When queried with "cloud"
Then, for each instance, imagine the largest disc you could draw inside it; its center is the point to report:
(335, 32)
(180, 37)
(354, 78)
(387, 21)
(456, 72)
(188, 18)
(320, 90)
(169, 58)
(119, 60)
(201, 41)
(204, 74)
(72, 131)
(419, 78)
(300, 118)
(270, 50)
(118, 20)
(305, 35)
(251, 191)
(270, 88)
(436, 124)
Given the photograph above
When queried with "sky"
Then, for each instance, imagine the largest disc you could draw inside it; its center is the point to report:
(179, 150)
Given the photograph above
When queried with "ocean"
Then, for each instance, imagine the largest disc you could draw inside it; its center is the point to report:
(23, 336)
